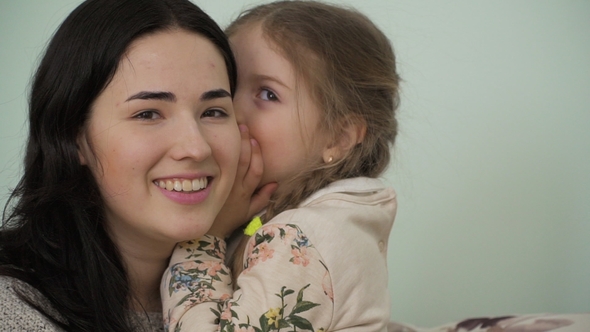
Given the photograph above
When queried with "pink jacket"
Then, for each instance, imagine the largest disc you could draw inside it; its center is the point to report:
(321, 266)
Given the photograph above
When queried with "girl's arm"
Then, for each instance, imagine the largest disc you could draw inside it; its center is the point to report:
(285, 285)
(196, 275)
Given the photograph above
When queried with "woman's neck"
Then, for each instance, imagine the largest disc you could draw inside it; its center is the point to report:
(145, 275)
(145, 265)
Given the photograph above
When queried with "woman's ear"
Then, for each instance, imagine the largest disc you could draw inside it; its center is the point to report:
(353, 132)
(83, 149)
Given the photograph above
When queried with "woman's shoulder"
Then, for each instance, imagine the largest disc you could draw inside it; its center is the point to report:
(17, 313)
(147, 321)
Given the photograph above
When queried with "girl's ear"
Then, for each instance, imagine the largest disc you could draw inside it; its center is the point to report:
(353, 132)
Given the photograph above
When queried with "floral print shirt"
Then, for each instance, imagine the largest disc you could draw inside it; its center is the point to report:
(320, 267)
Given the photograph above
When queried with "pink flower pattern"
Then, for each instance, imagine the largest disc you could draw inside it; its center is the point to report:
(300, 256)
(259, 251)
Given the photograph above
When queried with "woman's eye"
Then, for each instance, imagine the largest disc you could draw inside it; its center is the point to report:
(268, 95)
(214, 113)
(147, 115)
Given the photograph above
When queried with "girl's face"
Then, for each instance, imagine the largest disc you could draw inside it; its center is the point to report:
(279, 113)
(162, 140)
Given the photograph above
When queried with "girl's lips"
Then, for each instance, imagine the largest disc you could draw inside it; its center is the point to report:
(181, 193)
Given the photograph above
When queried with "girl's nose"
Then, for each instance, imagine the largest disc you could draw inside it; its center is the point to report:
(240, 106)
(189, 142)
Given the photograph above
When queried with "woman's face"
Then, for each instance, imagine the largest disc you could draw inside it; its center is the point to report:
(162, 140)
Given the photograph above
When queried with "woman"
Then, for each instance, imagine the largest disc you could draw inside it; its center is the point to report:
(133, 146)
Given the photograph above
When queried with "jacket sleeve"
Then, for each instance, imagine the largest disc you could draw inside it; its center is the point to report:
(285, 284)
(195, 281)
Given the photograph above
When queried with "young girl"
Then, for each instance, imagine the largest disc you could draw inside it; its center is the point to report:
(318, 90)
(133, 147)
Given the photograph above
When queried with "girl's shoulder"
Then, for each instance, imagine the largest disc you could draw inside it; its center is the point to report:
(17, 313)
(349, 210)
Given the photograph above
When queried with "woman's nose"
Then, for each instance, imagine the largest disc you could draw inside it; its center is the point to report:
(189, 142)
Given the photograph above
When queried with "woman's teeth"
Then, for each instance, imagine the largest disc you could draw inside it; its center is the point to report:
(182, 185)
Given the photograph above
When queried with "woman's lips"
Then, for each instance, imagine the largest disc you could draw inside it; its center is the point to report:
(185, 191)
(184, 185)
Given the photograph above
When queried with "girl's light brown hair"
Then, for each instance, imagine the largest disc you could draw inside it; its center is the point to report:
(348, 66)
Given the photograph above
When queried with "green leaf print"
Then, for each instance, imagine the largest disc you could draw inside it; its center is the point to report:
(274, 319)
(303, 306)
(300, 322)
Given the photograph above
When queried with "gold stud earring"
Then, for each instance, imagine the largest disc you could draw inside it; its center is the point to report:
(329, 160)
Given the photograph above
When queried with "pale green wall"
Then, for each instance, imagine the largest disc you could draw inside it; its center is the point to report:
(492, 165)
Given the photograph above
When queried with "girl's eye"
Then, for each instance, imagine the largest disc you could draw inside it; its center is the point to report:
(214, 113)
(268, 95)
(148, 115)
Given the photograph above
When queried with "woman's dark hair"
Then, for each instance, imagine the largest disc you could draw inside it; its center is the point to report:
(53, 234)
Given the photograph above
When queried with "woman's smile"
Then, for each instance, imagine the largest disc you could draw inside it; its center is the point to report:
(182, 185)
(185, 191)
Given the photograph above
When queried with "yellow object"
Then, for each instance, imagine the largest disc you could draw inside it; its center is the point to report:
(253, 226)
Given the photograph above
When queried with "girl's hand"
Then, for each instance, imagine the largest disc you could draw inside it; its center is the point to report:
(244, 200)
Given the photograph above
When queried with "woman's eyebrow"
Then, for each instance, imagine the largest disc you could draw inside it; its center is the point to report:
(214, 94)
(171, 97)
(158, 95)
